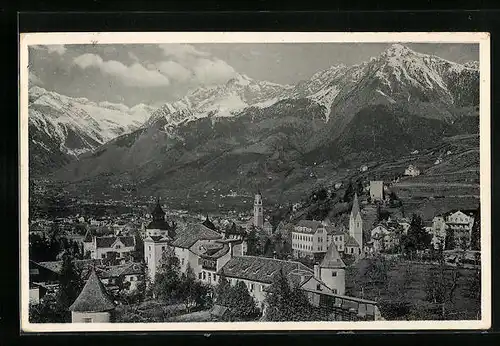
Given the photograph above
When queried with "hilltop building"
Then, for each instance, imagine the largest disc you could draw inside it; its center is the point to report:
(377, 190)
(412, 171)
(458, 223)
(93, 305)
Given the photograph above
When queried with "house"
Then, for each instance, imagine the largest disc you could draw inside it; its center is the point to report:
(412, 171)
(309, 238)
(337, 186)
(363, 168)
(268, 228)
(131, 274)
(377, 190)
(383, 238)
(159, 226)
(336, 235)
(109, 247)
(93, 304)
(257, 273)
(459, 223)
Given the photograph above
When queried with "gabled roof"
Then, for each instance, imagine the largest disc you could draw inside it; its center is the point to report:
(262, 269)
(332, 258)
(191, 233)
(350, 241)
(106, 242)
(56, 266)
(93, 297)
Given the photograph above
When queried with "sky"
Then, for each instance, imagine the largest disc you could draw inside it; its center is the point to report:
(154, 74)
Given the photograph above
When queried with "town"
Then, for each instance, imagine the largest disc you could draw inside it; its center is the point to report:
(366, 262)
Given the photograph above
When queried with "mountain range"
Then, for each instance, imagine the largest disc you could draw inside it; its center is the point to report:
(247, 133)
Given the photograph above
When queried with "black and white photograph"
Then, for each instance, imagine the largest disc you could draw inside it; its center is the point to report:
(285, 181)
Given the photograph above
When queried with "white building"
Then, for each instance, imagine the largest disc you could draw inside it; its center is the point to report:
(412, 171)
(118, 247)
(94, 304)
(309, 238)
(377, 190)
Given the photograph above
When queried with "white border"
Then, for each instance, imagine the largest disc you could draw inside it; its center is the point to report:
(262, 37)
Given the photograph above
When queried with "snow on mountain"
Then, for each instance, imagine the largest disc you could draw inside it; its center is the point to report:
(79, 125)
(223, 100)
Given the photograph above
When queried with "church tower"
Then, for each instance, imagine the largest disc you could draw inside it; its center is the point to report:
(356, 223)
(331, 271)
(258, 213)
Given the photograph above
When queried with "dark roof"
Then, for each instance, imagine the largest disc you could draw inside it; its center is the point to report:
(104, 242)
(159, 224)
(310, 224)
(261, 269)
(209, 224)
(158, 211)
(213, 250)
(332, 258)
(158, 239)
(88, 237)
(93, 297)
(191, 233)
(235, 230)
(55, 266)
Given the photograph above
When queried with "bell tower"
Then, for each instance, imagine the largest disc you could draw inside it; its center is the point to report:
(258, 213)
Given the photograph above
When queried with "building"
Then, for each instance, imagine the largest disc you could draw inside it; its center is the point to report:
(412, 171)
(154, 247)
(130, 274)
(331, 271)
(268, 228)
(458, 224)
(337, 236)
(93, 305)
(354, 243)
(383, 238)
(109, 247)
(159, 226)
(258, 213)
(363, 168)
(309, 238)
(377, 190)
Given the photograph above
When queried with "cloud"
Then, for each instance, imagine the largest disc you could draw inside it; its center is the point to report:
(133, 75)
(56, 48)
(174, 70)
(181, 51)
(215, 71)
(188, 64)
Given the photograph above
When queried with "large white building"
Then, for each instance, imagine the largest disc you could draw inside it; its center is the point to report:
(309, 238)
(116, 247)
(458, 223)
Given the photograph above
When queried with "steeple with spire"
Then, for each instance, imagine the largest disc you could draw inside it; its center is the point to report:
(258, 213)
(356, 223)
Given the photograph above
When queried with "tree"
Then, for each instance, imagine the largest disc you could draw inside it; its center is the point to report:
(449, 240)
(167, 280)
(349, 193)
(475, 241)
(253, 247)
(48, 310)
(70, 282)
(222, 288)
(417, 238)
(285, 303)
(191, 292)
(242, 305)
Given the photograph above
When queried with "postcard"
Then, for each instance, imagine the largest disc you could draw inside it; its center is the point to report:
(215, 181)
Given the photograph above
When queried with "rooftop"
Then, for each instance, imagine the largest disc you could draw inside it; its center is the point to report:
(93, 297)
(106, 242)
(332, 258)
(310, 225)
(188, 235)
(262, 269)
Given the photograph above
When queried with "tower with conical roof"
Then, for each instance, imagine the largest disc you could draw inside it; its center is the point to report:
(93, 305)
(158, 226)
(258, 213)
(331, 270)
(356, 223)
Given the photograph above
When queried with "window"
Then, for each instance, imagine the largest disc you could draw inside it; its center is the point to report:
(318, 287)
(334, 291)
(334, 273)
(149, 247)
(103, 255)
(163, 248)
(204, 276)
(87, 320)
(209, 276)
(251, 287)
(182, 261)
(215, 277)
(199, 276)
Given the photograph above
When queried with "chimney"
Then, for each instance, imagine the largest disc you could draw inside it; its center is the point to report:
(317, 271)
